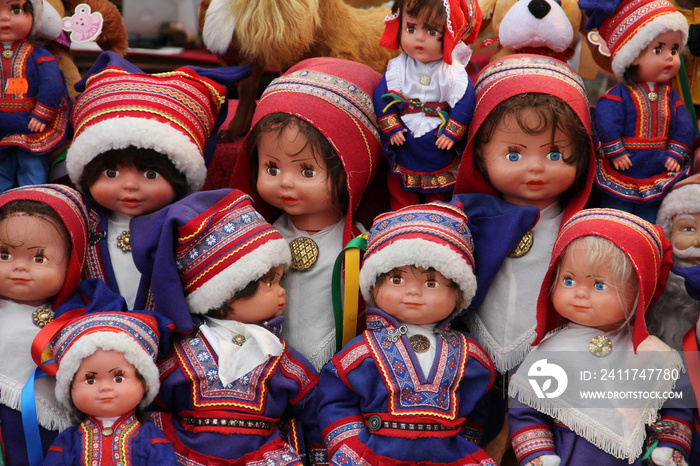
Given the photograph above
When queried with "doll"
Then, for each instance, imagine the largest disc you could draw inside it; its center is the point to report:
(141, 141)
(529, 145)
(607, 267)
(425, 100)
(676, 311)
(410, 389)
(313, 150)
(231, 385)
(34, 105)
(43, 243)
(106, 374)
(644, 129)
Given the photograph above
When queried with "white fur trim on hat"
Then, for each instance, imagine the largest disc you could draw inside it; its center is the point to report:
(643, 37)
(87, 344)
(222, 286)
(119, 133)
(419, 253)
(680, 200)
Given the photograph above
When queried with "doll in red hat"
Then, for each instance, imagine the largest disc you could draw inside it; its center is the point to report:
(425, 100)
(642, 124)
(607, 267)
(313, 151)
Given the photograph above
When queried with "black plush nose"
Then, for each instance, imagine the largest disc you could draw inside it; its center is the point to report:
(539, 8)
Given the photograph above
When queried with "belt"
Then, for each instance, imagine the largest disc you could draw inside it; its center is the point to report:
(228, 422)
(375, 423)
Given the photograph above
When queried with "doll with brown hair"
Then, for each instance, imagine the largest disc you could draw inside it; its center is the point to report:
(311, 157)
(607, 267)
(43, 244)
(642, 124)
(141, 142)
(106, 375)
(231, 386)
(425, 100)
(529, 146)
(34, 103)
(410, 389)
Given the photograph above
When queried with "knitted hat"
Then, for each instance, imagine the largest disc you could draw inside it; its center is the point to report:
(643, 243)
(335, 97)
(683, 198)
(629, 26)
(463, 23)
(521, 74)
(428, 235)
(222, 250)
(199, 251)
(133, 334)
(175, 113)
(68, 204)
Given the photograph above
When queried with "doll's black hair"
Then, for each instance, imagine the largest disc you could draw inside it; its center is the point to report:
(321, 148)
(225, 310)
(552, 112)
(40, 210)
(132, 156)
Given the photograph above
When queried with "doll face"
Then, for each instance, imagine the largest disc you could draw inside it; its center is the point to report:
(131, 191)
(106, 385)
(33, 259)
(660, 61)
(414, 295)
(15, 23)
(292, 179)
(269, 301)
(528, 169)
(420, 40)
(685, 237)
(588, 296)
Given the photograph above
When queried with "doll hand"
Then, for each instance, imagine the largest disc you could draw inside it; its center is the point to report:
(36, 125)
(622, 162)
(397, 139)
(444, 143)
(667, 456)
(672, 165)
(545, 460)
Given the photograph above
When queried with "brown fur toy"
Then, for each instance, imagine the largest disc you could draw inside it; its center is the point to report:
(281, 33)
(113, 36)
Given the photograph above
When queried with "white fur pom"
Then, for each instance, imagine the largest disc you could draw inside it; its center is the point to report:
(219, 26)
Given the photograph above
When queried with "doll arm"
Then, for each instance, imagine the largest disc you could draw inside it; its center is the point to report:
(339, 410)
(157, 448)
(609, 117)
(388, 115)
(460, 116)
(666, 456)
(680, 135)
(531, 434)
(51, 88)
(303, 405)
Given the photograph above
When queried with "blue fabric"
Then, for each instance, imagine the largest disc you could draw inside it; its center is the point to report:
(14, 446)
(19, 167)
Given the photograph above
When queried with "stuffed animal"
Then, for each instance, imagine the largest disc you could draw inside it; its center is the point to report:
(542, 27)
(283, 32)
(113, 36)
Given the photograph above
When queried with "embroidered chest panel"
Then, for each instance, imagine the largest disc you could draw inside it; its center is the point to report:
(16, 69)
(653, 114)
(407, 396)
(97, 446)
(200, 366)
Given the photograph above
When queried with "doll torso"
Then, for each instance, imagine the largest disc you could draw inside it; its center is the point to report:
(379, 377)
(505, 322)
(647, 129)
(195, 395)
(310, 325)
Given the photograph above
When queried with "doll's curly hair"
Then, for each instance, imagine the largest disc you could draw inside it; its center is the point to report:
(41, 211)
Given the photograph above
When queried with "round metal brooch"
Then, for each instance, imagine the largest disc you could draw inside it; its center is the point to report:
(420, 343)
(600, 346)
(523, 246)
(304, 253)
(41, 317)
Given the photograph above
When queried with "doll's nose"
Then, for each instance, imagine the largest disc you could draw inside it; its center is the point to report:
(286, 182)
(536, 166)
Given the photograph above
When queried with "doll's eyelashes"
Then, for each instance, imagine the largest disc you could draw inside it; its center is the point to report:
(110, 173)
(272, 169)
(307, 172)
(151, 174)
(513, 156)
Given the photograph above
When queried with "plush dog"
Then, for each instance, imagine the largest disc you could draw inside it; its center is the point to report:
(281, 33)
(542, 27)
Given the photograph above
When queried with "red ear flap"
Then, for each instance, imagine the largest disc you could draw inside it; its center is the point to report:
(390, 38)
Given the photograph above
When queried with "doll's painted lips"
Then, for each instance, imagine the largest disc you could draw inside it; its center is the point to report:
(288, 200)
(535, 184)
(129, 202)
(21, 280)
